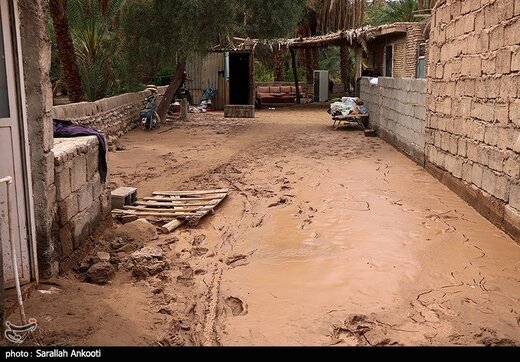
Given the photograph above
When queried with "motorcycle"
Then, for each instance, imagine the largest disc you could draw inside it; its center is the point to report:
(149, 116)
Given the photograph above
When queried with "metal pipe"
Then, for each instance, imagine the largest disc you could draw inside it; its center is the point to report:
(8, 181)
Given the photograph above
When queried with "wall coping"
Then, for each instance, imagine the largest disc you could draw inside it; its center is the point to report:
(66, 149)
(89, 109)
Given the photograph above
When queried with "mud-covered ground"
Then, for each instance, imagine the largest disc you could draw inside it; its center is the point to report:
(327, 237)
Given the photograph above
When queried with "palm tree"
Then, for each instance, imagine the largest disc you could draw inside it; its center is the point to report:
(66, 51)
(394, 11)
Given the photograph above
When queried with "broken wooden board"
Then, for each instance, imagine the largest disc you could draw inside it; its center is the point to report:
(176, 207)
(351, 120)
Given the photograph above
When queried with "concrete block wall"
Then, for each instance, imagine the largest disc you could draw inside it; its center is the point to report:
(473, 130)
(82, 200)
(114, 116)
(397, 108)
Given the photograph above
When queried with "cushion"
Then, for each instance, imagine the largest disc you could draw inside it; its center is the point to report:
(261, 89)
(263, 94)
(274, 89)
(285, 89)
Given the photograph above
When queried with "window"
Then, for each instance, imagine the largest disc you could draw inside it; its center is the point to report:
(421, 61)
(389, 60)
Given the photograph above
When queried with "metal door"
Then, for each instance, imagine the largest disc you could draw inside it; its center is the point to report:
(11, 158)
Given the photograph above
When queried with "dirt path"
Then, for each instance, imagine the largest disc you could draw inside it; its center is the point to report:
(328, 237)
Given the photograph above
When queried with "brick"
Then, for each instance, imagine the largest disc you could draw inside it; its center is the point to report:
(482, 154)
(515, 60)
(512, 33)
(493, 87)
(508, 88)
(467, 167)
(62, 179)
(491, 135)
(495, 159)
(514, 196)
(515, 144)
(505, 10)
(453, 144)
(67, 209)
(476, 175)
(80, 229)
(491, 15)
(505, 138)
(78, 172)
(495, 184)
(503, 61)
(512, 217)
(92, 163)
(512, 165)
(514, 113)
(496, 38)
(501, 114)
(471, 151)
(84, 197)
(516, 8)
(489, 64)
(479, 19)
(465, 106)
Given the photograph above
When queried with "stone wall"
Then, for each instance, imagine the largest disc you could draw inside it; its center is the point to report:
(82, 200)
(473, 129)
(114, 116)
(397, 111)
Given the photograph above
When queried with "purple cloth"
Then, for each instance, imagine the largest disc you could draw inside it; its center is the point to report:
(66, 129)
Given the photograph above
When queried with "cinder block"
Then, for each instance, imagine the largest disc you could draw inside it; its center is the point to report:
(514, 112)
(462, 147)
(67, 209)
(467, 167)
(489, 64)
(78, 172)
(495, 159)
(514, 196)
(476, 174)
(505, 138)
(495, 184)
(512, 33)
(81, 228)
(63, 187)
(515, 60)
(503, 61)
(92, 163)
(491, 135)
(496, 38)
(516, 8)
(84, 197)
(512, 217)
(512, 165)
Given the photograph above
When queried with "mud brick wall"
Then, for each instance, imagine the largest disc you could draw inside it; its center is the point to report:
(473, 130)
(82, 200)
(397, 109)
(114, 116)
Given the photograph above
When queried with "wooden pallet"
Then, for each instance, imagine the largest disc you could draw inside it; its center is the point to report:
(351, 120)
(188, 206)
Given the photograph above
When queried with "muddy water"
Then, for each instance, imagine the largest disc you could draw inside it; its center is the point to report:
(366, 237)
(342, 239)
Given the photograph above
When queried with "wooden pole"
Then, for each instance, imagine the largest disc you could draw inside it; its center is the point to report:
(295, 73)
(184, 109)
(172, 225)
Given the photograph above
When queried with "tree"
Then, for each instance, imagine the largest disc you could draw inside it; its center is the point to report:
(392, 11)
(66, 51)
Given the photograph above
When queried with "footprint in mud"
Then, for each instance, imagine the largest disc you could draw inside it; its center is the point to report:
(237, 306)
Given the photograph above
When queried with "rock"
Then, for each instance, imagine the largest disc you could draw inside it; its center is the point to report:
(148, 253)
(84, 266)
(140, 231)
(103, 256)
(117, 243)
(100, 273)
(130, 248)
(149, 268)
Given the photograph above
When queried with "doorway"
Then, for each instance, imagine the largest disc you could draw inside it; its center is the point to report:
(14, 160)
(240, 78)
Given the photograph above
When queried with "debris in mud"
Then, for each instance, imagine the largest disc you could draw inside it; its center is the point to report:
(100, 256)
(199, 251)
(281, 201)
(100, 273)
(237, 306)
(138, 231)
(146, 262)
(186, 276)
(234, 259)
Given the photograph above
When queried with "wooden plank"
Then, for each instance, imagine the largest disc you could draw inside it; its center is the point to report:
(158, 214)
(183, 201)
(172, 225)
(166, 209)
(202, 197)
(176, 204)
(202, 192)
